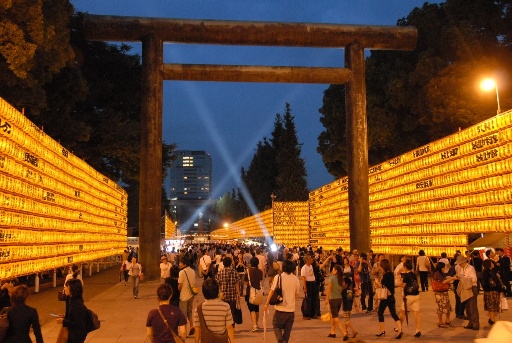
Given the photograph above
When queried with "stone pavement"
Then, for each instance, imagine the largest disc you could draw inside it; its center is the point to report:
(123, 318)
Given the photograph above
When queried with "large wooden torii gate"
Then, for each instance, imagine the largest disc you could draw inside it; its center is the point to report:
(153, 32)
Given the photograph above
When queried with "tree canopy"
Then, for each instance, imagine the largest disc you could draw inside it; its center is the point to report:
(420, 96)
(84, 94)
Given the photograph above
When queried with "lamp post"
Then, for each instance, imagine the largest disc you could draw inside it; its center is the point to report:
(487, 85)
(273, 197)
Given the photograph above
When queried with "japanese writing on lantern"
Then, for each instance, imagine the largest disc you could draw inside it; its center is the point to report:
(487, 155)
(421, 151)
(31, 159)
(5, 126)
(449, 153)
(486, 141)
(64, 152)
(424, 184)
(49, 197)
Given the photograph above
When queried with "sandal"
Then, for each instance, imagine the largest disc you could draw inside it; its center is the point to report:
(448, 324)
(441, 325)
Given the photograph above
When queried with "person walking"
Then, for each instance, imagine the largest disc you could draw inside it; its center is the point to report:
(254, 279)
(505, 273)
(134, 270)
(492, 286)
(166, 317)
(364, 268)
(284, 315)
(388, 281)
(441, 294)
(241, 269)
(412, 296)
(173, 282)
(334, 287)
(165, 269)
(186, 280)
(124, 270)
(21, 318)
(205, 263)
(74, 320)
(310, 289)
(468, 291)
(229, 283)
(213, 315)
(423, 267)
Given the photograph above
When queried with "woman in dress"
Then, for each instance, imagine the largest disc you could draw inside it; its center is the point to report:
(74, 320)
(240, 268)
(254, 279)
(492, 286)
(334, 299)
(21, 318)
(166, 317)
(442, 300)
(388, 281)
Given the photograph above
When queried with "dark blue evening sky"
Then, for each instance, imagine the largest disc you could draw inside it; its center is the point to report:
(228, 119)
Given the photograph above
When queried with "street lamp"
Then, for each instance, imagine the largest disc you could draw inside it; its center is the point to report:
(487, 85)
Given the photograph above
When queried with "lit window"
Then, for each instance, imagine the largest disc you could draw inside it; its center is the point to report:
(185, 192)
(185, 177)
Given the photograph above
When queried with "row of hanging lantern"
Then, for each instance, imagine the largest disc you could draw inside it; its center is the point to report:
(55, 209)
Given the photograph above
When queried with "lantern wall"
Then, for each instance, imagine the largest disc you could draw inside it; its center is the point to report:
(54, 208)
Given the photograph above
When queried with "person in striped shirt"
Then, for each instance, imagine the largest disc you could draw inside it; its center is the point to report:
(216, 313)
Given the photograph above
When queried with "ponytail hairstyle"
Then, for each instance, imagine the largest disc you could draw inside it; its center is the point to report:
(75, 271)
(339, 274)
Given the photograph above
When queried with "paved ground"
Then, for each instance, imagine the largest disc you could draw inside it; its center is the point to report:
(123, 318)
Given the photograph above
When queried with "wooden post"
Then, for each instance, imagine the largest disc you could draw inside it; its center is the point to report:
(357, 146)
(150, 194)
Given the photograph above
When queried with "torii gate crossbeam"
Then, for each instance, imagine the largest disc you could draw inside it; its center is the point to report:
(152, 32)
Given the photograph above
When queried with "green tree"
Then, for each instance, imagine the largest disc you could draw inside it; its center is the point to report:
(420, 96)
(34, 47)
(291, 181)
(260, 178)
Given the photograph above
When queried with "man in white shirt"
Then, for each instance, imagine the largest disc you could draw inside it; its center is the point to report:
(186, 280)
(467, 275)
(263, 261)
(284, 315)
(204, 263)
(309, 287)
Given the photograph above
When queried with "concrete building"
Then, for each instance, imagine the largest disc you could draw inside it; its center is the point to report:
(190, 189)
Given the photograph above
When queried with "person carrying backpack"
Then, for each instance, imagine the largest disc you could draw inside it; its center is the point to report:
(411, 291)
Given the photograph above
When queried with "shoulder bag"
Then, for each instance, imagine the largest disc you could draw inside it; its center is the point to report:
(177, 338)
(255, 295)
(92, 321)
(208, 336)
(193, 289)
(277, 296)
(382, 293)
(439, 286)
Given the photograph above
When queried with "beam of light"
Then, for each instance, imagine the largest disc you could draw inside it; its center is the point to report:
(214, 133)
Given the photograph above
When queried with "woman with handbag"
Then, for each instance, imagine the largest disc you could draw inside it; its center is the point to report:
(166, 323)
(254, 279)
(388, 281)
(74, 320)
(492, 285)
(441, 286)
(335, 285)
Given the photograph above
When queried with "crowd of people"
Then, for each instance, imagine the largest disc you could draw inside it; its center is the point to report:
(351, 282)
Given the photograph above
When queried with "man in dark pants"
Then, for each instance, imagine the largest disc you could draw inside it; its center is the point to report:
(505, 270)
(284, 315)
(364, 268)
(310, 288)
